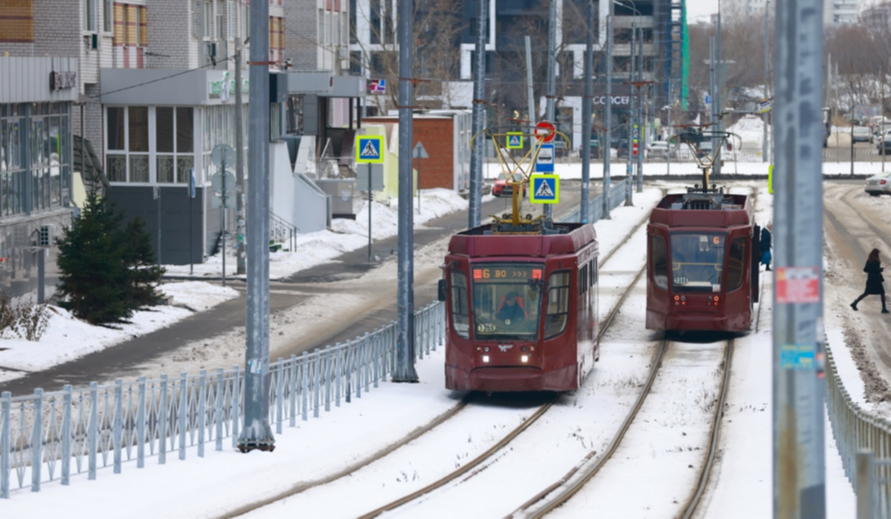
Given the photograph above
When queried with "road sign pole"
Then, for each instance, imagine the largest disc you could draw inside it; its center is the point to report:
(370, 200)
(548, 210)
(256, 433)
(405, 347)
(223, 196)
(641, 112)
(586, 113)
(191, 239)
(629, 161)
(799, 448)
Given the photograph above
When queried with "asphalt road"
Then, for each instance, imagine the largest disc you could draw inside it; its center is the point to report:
(123, 359)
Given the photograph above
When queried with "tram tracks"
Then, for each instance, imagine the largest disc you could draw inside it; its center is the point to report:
(470, 468)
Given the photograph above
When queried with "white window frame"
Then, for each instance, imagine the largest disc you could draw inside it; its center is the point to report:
(208, 20)
(91, 17)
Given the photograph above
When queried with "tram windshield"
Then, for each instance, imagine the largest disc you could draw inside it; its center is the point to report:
(507, 300)
(697, 261)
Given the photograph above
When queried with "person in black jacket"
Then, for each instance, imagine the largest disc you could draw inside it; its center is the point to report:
(874, 280)
(765, 245)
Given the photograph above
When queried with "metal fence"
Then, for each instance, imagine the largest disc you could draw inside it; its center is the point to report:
(855, 431)
(52, 436)
(595, 205)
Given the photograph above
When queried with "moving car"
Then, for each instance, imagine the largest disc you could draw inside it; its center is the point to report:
(879, 184)
(502, 188)
(660, 150)
(861, 134)
(883, 141)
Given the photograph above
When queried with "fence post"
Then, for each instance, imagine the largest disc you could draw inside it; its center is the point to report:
(218, 410)
(863, 484)
(5, 404)
(118, 422)
(202, 410)
(304, 382)
(140, 424)
(338, 373)
(357, 365)
(375, 356)
(92, 439)
(236, 401)
(280, 396)
(316, 381)
(36, 440)
(292, 391)
(328, 371)
(162, 422)
(366, 360)
(66, 434)
(183, 403)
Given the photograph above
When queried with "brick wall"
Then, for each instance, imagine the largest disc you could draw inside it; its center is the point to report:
(439, 141)
(170, 39)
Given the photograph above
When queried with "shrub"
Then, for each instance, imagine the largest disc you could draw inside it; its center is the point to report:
(25, 319)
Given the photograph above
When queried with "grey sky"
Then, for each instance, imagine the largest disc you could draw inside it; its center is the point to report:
(697, 8)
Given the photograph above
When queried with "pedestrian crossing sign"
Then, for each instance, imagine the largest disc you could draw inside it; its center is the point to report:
(545, 189)
(369, 149)
(514, 140)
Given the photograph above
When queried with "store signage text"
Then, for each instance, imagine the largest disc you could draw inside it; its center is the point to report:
(616, 100)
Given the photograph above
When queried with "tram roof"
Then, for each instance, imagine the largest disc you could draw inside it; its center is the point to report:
(734, 210)
(480, 242)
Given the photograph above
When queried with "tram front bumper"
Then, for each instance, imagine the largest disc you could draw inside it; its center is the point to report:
(512, 379)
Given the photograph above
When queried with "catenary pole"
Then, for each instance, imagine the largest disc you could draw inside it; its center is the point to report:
(586, 112)
(714, 104)
(799, 487)
(256, 433)
(764, 153)
(641, 112)
(479, 116)
(530, 95)
(629, 159)
(405, 351)
(718, 99)
(608, 137)
(239, 162)
(547, 209)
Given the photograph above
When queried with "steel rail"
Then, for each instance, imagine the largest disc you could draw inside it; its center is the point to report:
(714, 436)
(513, 434)
(589, 473)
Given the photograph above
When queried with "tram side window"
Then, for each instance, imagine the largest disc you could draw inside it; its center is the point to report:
(660, 262)
(460, 319)
(594, 271)
(583, 280)
(735, 263)
(558, 304)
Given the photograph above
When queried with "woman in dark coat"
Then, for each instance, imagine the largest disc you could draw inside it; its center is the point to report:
(874, 280)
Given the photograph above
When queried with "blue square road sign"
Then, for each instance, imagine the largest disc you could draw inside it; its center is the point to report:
(545, 189)
(369, 149)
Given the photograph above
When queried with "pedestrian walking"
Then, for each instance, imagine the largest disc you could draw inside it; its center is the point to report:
(765, 245)
(874, 280)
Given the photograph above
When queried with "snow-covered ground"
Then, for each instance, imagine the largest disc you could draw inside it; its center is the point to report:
(223, 481)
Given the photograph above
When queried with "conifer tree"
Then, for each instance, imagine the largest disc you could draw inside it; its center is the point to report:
(139, 257)
(94, 281)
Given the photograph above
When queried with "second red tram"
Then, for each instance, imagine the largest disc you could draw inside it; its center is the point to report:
(521, 308)
(702, 269)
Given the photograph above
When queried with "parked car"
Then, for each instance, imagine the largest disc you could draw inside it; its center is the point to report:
(502, 188)
(861, 134)
(879, 184)
(883, 142)
(661, 150)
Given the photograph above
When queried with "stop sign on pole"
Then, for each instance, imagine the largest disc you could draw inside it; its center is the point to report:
(545, 131)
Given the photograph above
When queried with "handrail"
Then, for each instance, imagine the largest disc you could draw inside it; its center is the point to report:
(283, 231)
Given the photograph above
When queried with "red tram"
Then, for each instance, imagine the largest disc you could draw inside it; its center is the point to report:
(521, 307)
(702, 269)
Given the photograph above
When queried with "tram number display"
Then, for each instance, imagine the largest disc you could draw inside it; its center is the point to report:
(680, 281)
(506, 273)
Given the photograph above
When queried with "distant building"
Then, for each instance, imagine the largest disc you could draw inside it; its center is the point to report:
(838, 12)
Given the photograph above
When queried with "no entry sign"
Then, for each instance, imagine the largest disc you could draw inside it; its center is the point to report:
(545, 131)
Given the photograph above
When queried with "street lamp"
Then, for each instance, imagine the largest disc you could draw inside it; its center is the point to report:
(668, 147)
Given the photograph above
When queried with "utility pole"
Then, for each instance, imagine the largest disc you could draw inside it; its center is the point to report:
(547, 209)
(530, 96)
(642, 112)
(629, 160)
(882, 113)
(586, 111)
(479, 116)
(256, 433)
(608, 137)
(405, 300)
(239, 162)
(764, 116)
(718, 99)
(714, 119)
(799, 448)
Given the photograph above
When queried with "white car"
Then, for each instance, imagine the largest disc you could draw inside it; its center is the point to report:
(879, 184)
(660, 149)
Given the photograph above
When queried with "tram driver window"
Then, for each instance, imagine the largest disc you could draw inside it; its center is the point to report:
(660, 261)
(558, 304)
(735, 263)
(460, 319)
(697, 261)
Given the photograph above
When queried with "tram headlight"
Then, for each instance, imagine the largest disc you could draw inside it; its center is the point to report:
(524, 359)
(486, 349)
(485, 358)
